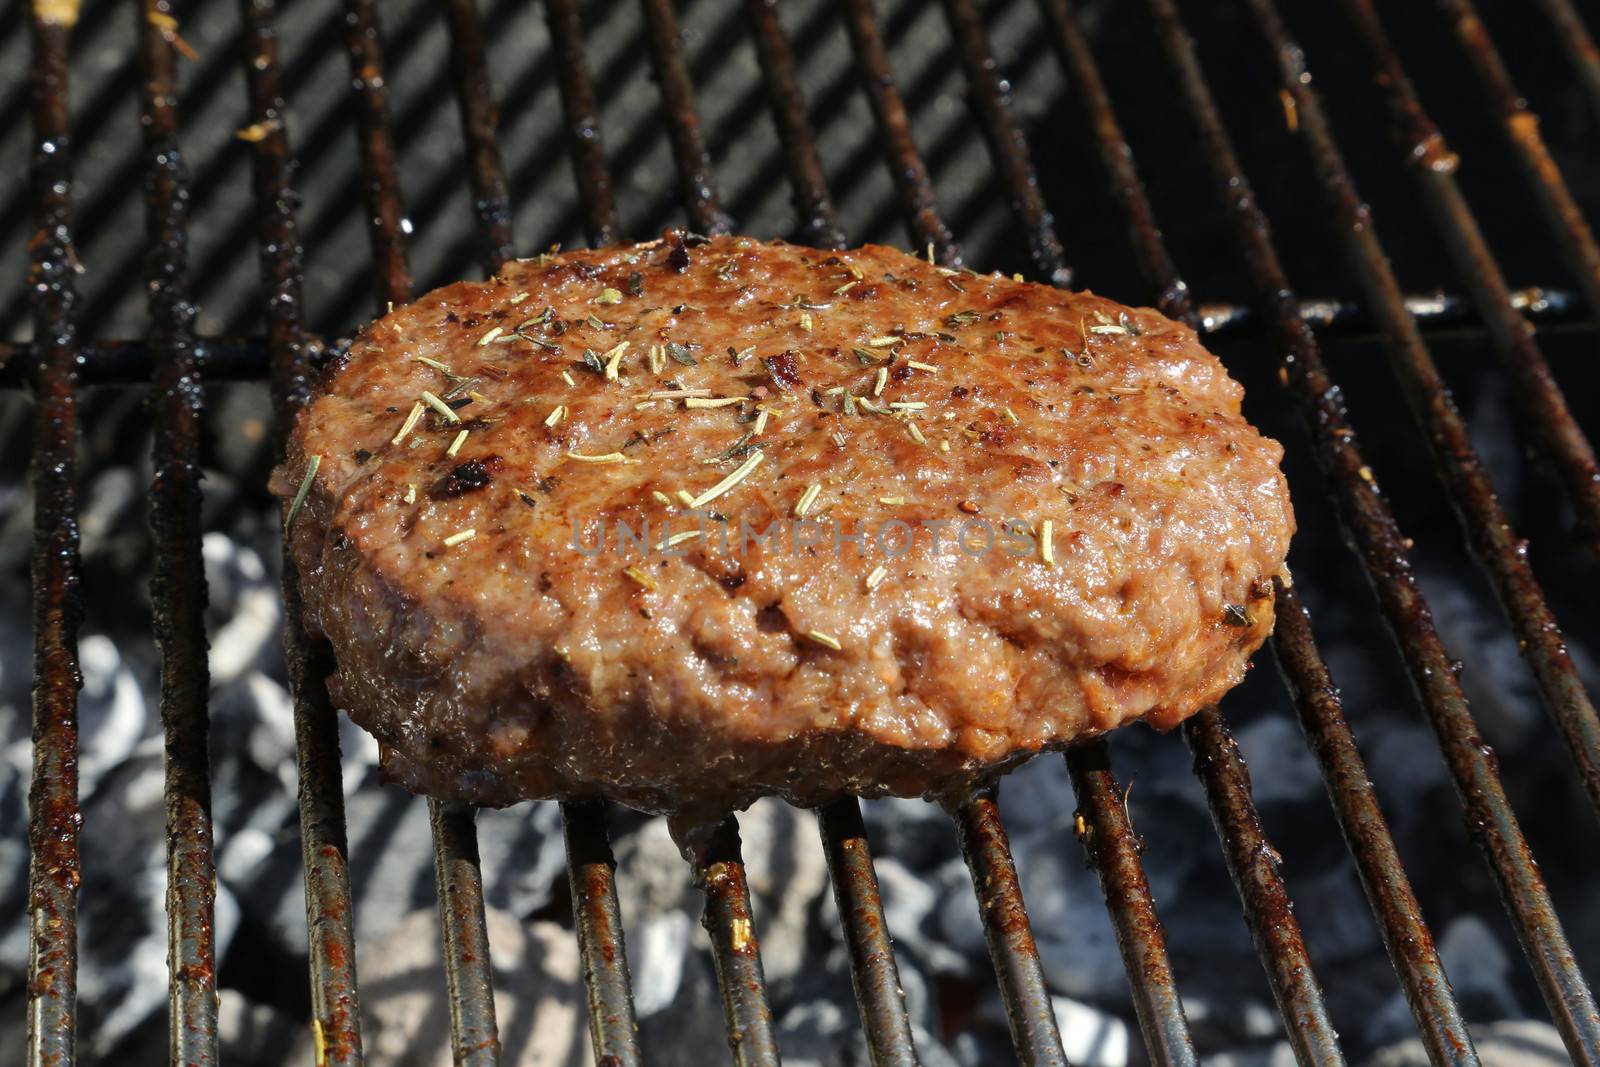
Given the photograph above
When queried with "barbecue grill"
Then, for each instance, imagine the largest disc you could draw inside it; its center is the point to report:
(173, 360)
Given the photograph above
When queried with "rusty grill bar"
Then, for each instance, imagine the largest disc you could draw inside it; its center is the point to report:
(172, 359)
(53, 874)
(179, 587)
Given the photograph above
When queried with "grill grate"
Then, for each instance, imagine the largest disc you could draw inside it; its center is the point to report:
(170, 360)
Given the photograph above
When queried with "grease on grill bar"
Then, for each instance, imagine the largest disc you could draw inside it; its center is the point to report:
(178, 587)
(53, 873)
(335, 1005)
(474, 1032)
(236, 359)
(172, 358)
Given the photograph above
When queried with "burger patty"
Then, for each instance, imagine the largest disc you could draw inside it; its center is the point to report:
(691, 521)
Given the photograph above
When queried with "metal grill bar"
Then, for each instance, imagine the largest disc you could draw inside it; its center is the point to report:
(1429, 160)
(1405, 933)
(991, 104)
(335, 1005)
(592, 870)
(591, 865)
(469, 70)
(1254, 866)
(727, 917)
(289, 344)
(1009, 931)
(1489, 532)
(1127, 892)
(696, 186)
(134, 361)
(978, 821)
(178, 587)
(53, 873)
(874, 975)
(1521, 129)
(469, 975)
(468, 968)
(1371, 524)
(812, 201)
(1251, 861)
(583, 124)
(735, 950)
(1430, 311)
(879, 998)
(1108, 840)
(911, 181)
(1355, 804)
(1158, 272)
(387, 226)
(227, 358)
(1579, 45)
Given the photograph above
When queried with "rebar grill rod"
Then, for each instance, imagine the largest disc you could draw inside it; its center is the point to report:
(468, 969)
(1155, 265)
(1372, 526)
(1388, 887)
(1251, 862)
(735, 950)
(231, 358)
(991, 105)
(1366, 832)
(911, 180)
(134, 361)
(330, 921)
(1431, 311)
(1429, 160)
(592, 871)
(1521, 129)
(1579, 45)
(1127, 892)
(178, 586)
(1009, 931)
(1255, 868)
(1015, 955)
(53, 873)
(469, 974)
(387, 227)
(879, 997)
(1499, 550)
(469, 70)
(613, 1028)
(873, 972)
(1107, 837)
(696, 187)
(853, 879)
(583, 124)
(812, 201)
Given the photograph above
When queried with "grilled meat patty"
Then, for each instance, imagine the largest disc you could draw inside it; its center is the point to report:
(690, 521)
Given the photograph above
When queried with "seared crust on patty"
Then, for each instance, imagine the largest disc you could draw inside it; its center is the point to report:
(1029, 516)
